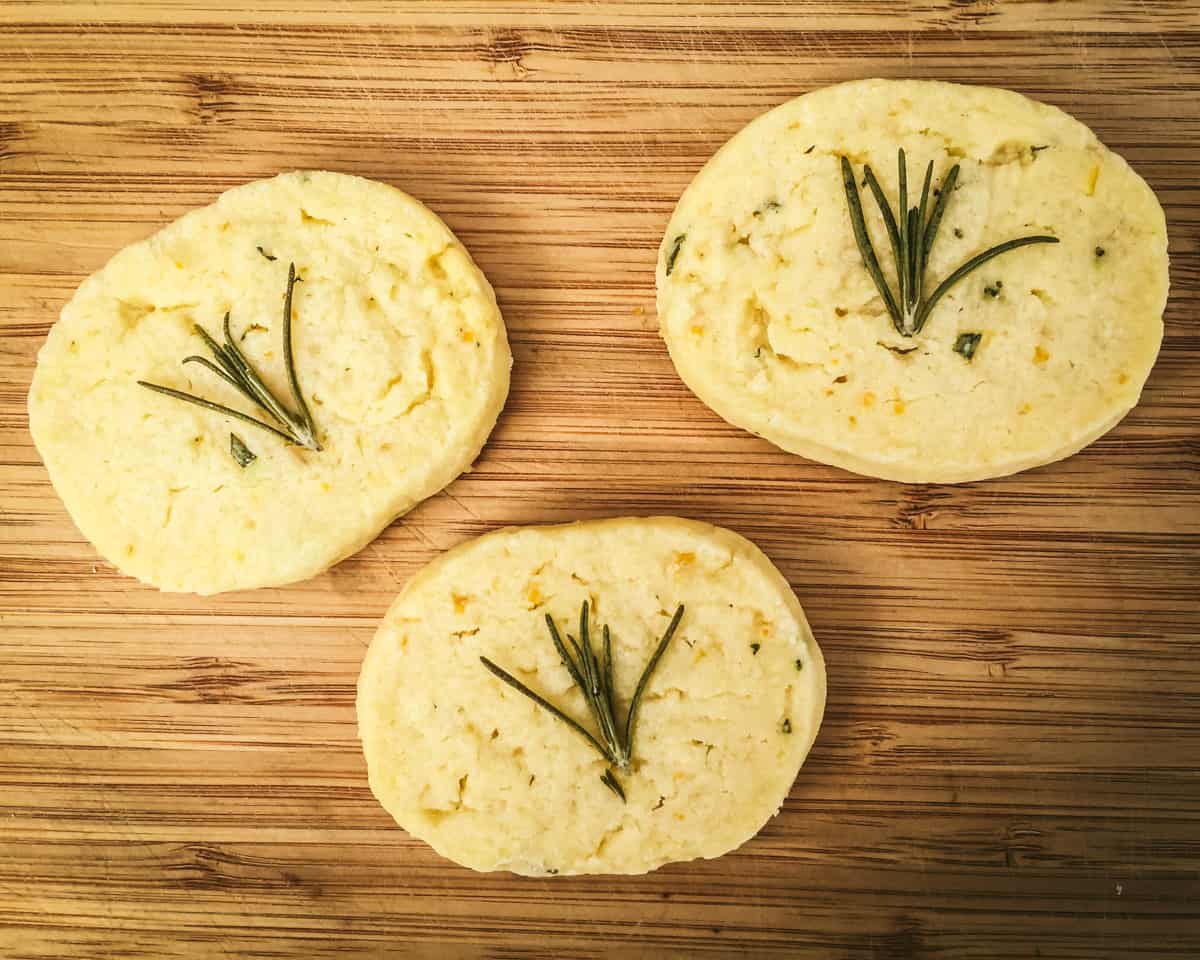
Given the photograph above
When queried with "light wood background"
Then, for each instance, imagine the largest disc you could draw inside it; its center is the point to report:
(1010, 762)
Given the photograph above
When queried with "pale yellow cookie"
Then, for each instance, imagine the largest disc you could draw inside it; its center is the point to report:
(494, 781)
(400, 352)
(772, 319)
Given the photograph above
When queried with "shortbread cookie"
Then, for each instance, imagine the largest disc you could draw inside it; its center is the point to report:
(773, 319)
(493, 780)
(400, 355)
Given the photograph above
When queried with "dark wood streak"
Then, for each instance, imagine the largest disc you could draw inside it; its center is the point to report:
(1010, 763)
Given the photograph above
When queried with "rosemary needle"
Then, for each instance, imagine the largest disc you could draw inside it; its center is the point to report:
(673, 253)
(911, 232)
(240, 452)
(592, 672)
(234, 368)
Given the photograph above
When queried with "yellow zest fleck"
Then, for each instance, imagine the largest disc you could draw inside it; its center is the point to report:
(534, 596)
(1025, 408)
(403, 641)
(685, 559)
(897, 406)
(467, 336)
(853, 421)
(325, 487)
(1092, 178)
(700, 655)
(697, 329)
(178, 265)
(638, 310)
(829, 391)
(238, 556)
(460, 602)
(1123, 378)
(1040, 355)
(868, 399)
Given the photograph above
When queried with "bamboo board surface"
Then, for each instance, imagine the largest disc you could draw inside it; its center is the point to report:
(1010, 762)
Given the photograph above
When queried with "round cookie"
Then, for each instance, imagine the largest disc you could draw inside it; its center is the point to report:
(494, 781)
(400, 353)
(773, 319)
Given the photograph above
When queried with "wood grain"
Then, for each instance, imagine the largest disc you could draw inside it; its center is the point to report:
(1010, 764)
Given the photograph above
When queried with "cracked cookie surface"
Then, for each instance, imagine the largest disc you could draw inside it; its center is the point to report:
(400, 351)
(494, 782)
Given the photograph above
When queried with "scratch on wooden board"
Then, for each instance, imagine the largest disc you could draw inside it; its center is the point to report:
(462, 506)
(1163, 43)
(383, 559)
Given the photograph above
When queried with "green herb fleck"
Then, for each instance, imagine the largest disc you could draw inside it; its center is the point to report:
(240, 452)
(770, 207)
(911, 232)
(958, 232)
(755, 647)
(787, 725)
(265, 254)
(1099, 252)
(673, 255)
(810, 149)
(993, 291)
(1036, 150)
(592, 672)
(966, 344)
(799, 664)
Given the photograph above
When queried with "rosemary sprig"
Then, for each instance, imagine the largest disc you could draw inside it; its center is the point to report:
(234, 368)
(592, 672)
(911, 232)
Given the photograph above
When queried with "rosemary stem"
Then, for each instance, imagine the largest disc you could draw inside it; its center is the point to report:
(863, 239)
(973, 264)
(636, 703)
(217, 407)
(903, 262)
(289, 362)
(919, 239)
(547, 705)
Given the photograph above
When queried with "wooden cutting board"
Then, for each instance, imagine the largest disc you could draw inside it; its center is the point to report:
(1010, 762)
